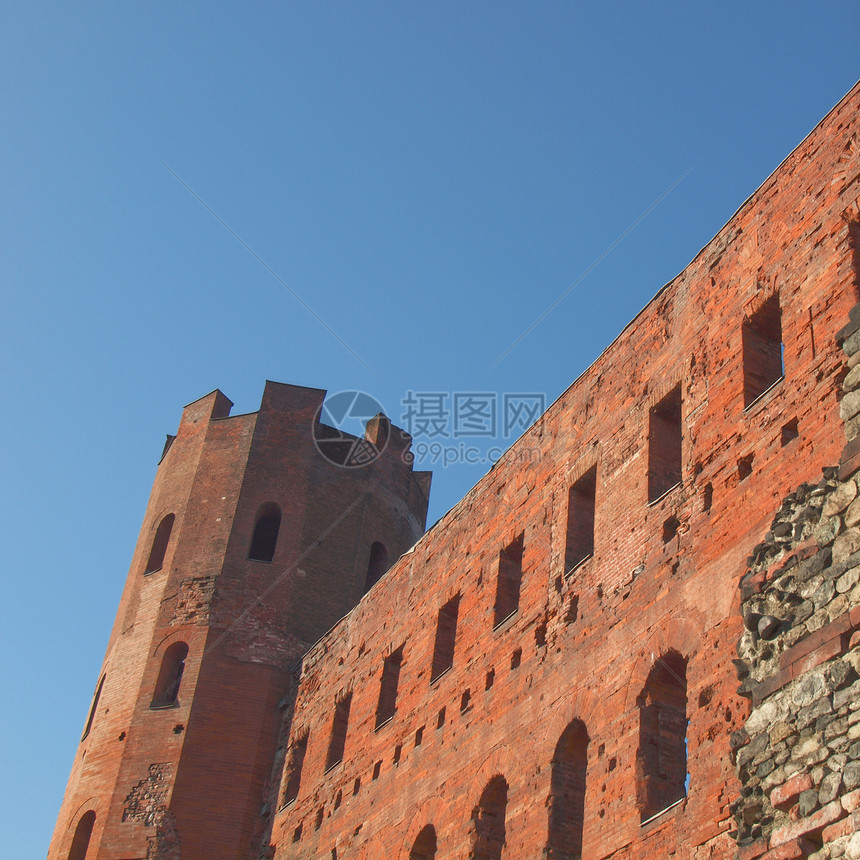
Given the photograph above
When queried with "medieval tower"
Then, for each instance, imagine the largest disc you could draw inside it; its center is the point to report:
(256, 540)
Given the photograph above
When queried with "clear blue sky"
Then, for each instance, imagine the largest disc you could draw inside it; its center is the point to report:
(428, 177)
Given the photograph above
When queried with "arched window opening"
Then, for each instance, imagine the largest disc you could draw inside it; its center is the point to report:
(266, 529)
(488, 821)
(81, 839)
(567, 794)
(94, 707)
(425, 845)
(159, 544)
(377, 565)
(662, 757)
(169, 676)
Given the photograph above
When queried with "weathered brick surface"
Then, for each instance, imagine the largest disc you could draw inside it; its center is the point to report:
(663, 576)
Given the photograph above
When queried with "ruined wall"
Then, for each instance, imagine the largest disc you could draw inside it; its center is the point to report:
(553, 722)
(798, 754)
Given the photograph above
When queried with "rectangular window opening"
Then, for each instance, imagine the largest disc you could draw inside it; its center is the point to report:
(446, 637)
(509, 581)
(664, 445)
(580, 520)
(763, 351)
(293, 770)
(387, 704)
(338, 732)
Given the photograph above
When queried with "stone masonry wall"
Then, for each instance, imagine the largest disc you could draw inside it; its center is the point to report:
(798, 755)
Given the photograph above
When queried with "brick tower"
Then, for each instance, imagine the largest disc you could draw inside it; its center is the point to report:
(254, 543)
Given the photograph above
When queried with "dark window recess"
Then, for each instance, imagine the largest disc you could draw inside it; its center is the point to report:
(376, 769)
(661, 761)
(490, 679)
(159, 544)
(854, 242)
(745, 467)
(297, 834)
(81, 839)
(170, 676)
(319, 819)
(387, 703)
(338, 732)
(572, 612)
(789, 432)
(567, 793)
(670, 528)
(424, 847)
(580, 520)
(664, 445)
(440, 720)
(516, 658)
(397, 752)
(464, 701)
(446, 637)
(266, 528)
(763, 350)
(708, 497)
(356, 786)
(419, 736)
(377, 565)
(293, 770)
(509, 581)
(94, 707)
(488, 821)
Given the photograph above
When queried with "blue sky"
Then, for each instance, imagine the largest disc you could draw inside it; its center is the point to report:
(429, 178)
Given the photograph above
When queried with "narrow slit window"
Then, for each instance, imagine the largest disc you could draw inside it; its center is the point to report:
(159, 544)
(340, 723)
(376, 565)
(664, 445)
(94, 707)
(763, 350)
(265, 537)
(293, 770)
(580, 520)
(387, 704)
(446, 638)
(170, 676)
(509, 581)
(661, 765)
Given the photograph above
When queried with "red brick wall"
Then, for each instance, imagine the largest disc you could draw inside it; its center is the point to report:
(637, 598)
